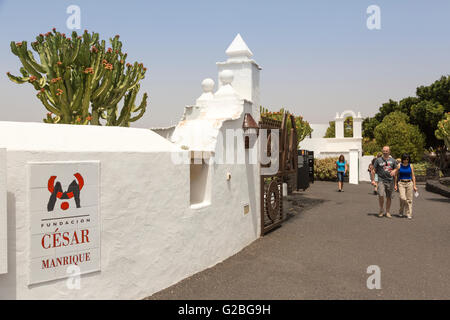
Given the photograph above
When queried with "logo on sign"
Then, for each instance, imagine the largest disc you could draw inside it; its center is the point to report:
(57, 193)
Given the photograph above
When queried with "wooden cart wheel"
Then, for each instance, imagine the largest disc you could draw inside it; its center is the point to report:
(273, 200)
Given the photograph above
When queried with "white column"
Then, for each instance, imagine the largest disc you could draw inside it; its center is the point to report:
(339, 128)
(357, 126)
(354, 166)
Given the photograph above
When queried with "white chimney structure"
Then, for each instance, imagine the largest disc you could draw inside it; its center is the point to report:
(245, 73)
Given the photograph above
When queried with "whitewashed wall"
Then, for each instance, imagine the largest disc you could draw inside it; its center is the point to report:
(151, 238)
(3, 221)
(364, 162)
(330, 147)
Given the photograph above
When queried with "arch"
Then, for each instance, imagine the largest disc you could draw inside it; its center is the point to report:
(339, 123)
(347, 113)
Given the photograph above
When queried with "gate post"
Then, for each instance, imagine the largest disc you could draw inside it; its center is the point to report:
(354, 166)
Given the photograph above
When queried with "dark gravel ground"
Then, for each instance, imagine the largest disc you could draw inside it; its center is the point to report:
(324, 247)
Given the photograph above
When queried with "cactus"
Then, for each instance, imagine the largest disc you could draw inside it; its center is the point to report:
(80, 81)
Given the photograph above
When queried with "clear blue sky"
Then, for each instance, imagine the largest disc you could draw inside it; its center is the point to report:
(318, 57)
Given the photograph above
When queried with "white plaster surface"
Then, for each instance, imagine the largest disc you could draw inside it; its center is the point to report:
(364, 162)
(150, 237)
(3, 220)
(331, 147)
(246, 73)
(353, 163)
(64, 137)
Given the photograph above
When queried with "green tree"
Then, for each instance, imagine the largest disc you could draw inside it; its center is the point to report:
(303, 128)
(425, 110)
(396, 132)
(348, 128)
(368, 127)
(386, 108)
(426, 114)
(370, 147)
(331, 130)
(438, 91)
(443, 130)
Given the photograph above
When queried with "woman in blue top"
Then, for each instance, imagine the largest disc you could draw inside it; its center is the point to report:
(342, 168)
(405, 182)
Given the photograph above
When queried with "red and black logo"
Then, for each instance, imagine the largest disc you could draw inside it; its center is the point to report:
(73, 191)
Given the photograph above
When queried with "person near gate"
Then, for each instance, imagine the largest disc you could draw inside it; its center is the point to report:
(386, 168)
(342, 169)
(405, 182)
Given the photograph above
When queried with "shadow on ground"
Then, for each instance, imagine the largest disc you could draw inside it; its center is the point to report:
(297, 203)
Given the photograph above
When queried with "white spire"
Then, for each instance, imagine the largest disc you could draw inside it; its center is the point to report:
(238, 48)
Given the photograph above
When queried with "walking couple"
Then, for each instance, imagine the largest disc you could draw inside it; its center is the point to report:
(394, 176)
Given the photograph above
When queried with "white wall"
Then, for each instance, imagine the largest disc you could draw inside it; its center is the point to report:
(151, 238)
(364, 162)
(3, 221)
(319, 130)
(331, 147)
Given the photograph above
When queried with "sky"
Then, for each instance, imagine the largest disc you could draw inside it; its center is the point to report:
(317, 57)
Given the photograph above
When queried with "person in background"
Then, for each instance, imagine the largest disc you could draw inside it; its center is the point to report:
(342, 169)
(386, 168)
(405, 182)
(371, 169)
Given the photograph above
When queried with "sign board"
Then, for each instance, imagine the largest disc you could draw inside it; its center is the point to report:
(3, 213)
(64, 206)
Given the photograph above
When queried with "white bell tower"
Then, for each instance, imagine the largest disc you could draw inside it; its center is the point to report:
(245, 73)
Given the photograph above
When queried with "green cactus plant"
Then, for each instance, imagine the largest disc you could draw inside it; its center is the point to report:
(80, 81)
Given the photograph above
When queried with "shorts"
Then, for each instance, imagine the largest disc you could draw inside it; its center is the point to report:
(386, 189)
(376, 177)
(341, 176)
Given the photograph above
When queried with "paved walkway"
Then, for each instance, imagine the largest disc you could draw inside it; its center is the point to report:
(324, 248)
